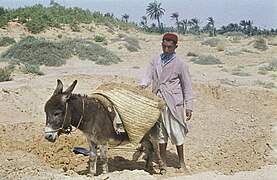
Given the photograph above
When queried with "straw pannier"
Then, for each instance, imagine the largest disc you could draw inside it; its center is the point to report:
(138, 109)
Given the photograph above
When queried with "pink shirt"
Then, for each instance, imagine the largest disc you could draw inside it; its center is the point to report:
(173, 80)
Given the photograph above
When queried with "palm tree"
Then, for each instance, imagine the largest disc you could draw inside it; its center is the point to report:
(176, 16)
(243, 23)
(231, 27)
(194, 23)
(249, 27)
(211, 25)
(155, 11)
(126, 17)
(144, 18)
(185, 25)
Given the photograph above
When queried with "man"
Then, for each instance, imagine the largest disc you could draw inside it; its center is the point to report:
(171, 80)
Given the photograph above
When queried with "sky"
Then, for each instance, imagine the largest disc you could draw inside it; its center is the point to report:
(263, 13)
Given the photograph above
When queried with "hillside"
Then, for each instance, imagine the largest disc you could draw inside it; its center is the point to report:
(233, 131)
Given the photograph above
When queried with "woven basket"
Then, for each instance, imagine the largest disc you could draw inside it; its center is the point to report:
(138, 109)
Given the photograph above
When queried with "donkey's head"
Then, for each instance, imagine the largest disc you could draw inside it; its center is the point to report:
(57, 119)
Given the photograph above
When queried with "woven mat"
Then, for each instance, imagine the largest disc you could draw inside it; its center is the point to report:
(139, 109)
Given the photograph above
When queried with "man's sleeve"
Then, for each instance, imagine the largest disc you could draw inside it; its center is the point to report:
(185, 78)
(147, 76)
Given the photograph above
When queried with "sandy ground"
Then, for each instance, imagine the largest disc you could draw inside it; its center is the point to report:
(233, 132)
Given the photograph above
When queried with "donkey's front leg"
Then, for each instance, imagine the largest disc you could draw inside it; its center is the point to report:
(92, 158)
(104, 158)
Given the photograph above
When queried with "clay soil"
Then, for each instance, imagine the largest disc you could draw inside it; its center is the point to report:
(233, 132)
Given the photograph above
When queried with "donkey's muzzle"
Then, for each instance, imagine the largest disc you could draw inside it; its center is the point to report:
(50, 135)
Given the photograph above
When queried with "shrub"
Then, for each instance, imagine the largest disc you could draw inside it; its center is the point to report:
(192, 54)
(274, 76)
(51, 53)
(206, 60)
(272, 66)
(5, 74)
(98, 38)
(37, 52)
(6, 41)
(235, 34)
(131, 48)
(235, 53)
(131, 42)
(270, 85)
(239, 72)
(220, 46)
(262, 71)
(213, 42)
(227, 81)
(33, 69)
(260, 44)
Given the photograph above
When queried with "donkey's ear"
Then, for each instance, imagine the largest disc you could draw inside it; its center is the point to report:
(67, 93)
(70, 89)
(59, 88)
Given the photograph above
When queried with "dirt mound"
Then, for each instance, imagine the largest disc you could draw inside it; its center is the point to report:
(234, 139)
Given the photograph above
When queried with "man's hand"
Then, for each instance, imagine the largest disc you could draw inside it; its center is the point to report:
(188, 114)
(141, 87)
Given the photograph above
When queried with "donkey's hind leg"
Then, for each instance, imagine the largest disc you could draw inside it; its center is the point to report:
(104, 158)
(92, 158)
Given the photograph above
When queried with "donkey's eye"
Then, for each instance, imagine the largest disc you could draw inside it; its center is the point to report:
(57, 113)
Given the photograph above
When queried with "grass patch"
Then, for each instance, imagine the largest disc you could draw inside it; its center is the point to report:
(247, 50)
(98, 38)
(5, 73)
(192, 54)
(239, 72)
(260, 44)
(268, 85)
(54, 53)
(206, 60)
(227, 81)
(132, 44)
(221, 46)
(262, 71)
(234, 34)
(6, 41)
(274, 76)
(235, 53)
(272, 66)
(213, 42)
(31, 69)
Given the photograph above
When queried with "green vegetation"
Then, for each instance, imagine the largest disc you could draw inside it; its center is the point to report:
(32, 69)
(206, 60)
(213, 42)
(239, 72)
(131, 44)
(235, 53)
(50, 53)
(192, 54)
(37, 18)
(6, 41)
(99, 38)
(221, 46)
(272, 66)
(260, 44)
(268, 85)
(227, 81)
(5, 73)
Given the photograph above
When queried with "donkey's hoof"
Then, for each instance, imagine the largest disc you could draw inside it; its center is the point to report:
(163, 171)
(105, 176)
(91, 173)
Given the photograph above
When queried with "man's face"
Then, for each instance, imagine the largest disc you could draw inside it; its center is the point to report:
(168, 47)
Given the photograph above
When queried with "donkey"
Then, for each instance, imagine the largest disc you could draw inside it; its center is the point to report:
(91, 116)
